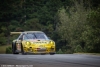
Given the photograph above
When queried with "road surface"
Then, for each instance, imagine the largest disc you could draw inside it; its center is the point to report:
(57, 60)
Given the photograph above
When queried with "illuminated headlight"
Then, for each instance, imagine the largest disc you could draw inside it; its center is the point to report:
(28, 43)
(51, 42)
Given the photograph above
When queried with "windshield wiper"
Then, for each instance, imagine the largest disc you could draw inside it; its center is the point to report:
(35, 35)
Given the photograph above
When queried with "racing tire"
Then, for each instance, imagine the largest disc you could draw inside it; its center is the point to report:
(43, 53)
(22, 51)
(14, 48)
(52, 53)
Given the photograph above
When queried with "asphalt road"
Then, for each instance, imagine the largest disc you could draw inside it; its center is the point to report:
(57, 60)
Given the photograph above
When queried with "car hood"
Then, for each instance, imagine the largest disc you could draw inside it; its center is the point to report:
(39, 41)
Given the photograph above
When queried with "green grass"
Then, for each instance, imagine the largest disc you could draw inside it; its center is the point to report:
(89, 53)
(3, 49)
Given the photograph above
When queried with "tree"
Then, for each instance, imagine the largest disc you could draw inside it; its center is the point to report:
(72, 23)
(9, 10)
(91, 35)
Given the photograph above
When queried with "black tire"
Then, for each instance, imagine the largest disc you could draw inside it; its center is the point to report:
(14, 48)
(52, 53)
(22, 51)
(43, 53)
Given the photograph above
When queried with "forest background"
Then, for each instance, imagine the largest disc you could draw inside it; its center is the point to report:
(73, 24)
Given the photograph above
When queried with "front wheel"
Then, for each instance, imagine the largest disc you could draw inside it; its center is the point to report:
(22, 50)
(14, 48)
(43, 53)
(52, 53)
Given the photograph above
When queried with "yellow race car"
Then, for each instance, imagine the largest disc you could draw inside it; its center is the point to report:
(33, 42)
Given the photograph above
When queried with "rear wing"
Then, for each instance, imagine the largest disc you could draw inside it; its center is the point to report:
(11, 33)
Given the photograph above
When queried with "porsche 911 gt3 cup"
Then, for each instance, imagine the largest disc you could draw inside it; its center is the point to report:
(33, 42)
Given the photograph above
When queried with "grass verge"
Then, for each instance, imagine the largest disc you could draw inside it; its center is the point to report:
(3, 49)
(89, 53)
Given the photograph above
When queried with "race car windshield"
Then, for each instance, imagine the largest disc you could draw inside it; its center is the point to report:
(35, 36)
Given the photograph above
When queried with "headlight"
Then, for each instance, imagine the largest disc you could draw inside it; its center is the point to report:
(28, 43)
(51, 42)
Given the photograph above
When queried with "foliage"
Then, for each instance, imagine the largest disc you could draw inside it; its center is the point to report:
(60, 51)
(72, 23)
(78, 49)
(91, 35)
(8, 50)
